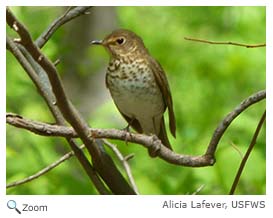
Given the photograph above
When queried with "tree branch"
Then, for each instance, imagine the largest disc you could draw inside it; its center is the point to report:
(250, 148)
(43, 171)
(70, 14)
(147, 141)
(223, 125)
(226, 43)
(102, 162)
(124, 162)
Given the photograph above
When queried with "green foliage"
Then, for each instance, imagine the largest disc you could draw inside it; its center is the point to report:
(207, 82)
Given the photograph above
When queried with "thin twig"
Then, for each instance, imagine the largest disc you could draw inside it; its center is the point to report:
(199, 189)
(125, 164)
(129, 157)
(56, 62)
(226, 43)
(237, 149)
(144, 140)
(244, 160)
(70, 14)
(43, 171)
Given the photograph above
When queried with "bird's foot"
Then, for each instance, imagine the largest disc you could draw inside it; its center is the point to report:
(156, 146)
(127, 134)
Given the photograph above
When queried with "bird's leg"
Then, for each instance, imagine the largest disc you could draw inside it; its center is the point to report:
(127, 130)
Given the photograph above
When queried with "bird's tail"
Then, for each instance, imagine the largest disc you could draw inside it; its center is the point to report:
(163, 137)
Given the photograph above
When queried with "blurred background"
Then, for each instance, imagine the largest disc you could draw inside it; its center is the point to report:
(207, 82)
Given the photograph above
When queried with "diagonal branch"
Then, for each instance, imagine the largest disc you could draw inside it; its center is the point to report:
(43, 171)
(147, 141)
(124, 162)
(246, 156)
(70, 14)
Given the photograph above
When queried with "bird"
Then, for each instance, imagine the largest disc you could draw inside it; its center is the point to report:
(138, 85)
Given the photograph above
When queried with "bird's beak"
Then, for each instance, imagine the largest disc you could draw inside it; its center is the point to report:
(96, 42)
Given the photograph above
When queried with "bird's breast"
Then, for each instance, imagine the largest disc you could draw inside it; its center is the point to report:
(133, 88)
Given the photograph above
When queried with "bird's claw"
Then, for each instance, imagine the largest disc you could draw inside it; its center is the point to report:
(127, 134)
(156, 146)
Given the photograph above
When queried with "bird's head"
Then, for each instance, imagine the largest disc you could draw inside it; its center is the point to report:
(122, 42)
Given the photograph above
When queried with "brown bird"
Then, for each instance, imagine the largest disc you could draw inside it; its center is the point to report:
(138, 84)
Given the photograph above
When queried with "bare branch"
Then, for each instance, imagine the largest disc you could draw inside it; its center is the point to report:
(70, 14)
(124, 162)
(33, 71)
(225, 43)
(147, 141)
(223, 125)
(43, 171)
(250, 147)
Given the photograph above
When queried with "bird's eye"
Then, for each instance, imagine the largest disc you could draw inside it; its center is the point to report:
(120, 41)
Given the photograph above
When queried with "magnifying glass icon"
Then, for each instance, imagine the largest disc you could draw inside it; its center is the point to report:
(12, 205)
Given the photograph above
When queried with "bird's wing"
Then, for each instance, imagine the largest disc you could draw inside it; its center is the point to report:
(163, 85)
(132, 122)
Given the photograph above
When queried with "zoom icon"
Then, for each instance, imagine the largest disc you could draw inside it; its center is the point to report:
(12, 205)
